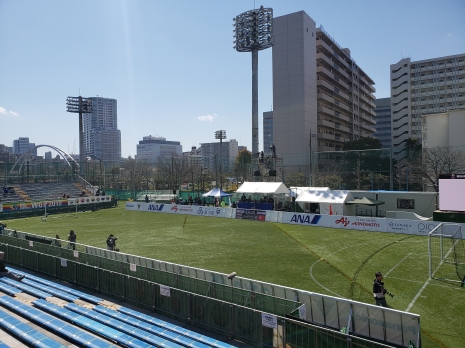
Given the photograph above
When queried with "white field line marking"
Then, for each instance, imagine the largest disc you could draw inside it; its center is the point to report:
(417, 295)
(337, 251)
(397, 264)
(432, 284)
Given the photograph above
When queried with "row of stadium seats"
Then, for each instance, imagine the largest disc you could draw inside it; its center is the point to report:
(58, 308)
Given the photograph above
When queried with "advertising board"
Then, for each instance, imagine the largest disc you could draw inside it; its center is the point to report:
(250, 214)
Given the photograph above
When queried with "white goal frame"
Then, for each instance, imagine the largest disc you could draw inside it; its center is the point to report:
(443, 232)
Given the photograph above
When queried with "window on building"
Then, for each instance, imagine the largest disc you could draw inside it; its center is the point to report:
(405, 203)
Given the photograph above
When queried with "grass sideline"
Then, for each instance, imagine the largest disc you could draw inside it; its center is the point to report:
(330, 261)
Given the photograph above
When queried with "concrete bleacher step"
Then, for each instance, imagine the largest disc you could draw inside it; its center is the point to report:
(4, 345)
(59, 327)
(25, 332)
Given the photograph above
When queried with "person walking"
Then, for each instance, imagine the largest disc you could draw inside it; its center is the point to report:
(4, 272)
(379, 291)
(72, 240)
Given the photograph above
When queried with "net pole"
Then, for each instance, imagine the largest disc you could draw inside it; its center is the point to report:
(430, 252)
(441, 244)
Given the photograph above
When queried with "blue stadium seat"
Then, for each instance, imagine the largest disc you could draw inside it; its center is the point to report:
(157, 330)
(8, 289)
(55, 325)
(127, 328)
(54, 291)
(92, 325)
(26, 288)
(155, 321)
(77, 293)
(26, 333)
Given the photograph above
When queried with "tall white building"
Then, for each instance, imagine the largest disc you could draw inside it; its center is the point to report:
(424, 87)
(102, 139)
(150, 148)
(319, 92)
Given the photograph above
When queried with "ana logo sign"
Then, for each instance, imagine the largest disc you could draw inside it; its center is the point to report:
(305, 219)
(155, 207)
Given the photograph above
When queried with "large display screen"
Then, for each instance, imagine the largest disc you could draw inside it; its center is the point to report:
(452, 192)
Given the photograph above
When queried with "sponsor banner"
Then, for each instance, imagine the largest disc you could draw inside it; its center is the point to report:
(355, 223)
(419, 227)
(8, 207)
(88, 200)
(152, 207)
(179, 209)
(250, 214)
(207, 211)
(133, 206)
(301, 218)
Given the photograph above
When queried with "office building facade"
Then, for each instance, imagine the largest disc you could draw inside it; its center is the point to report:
(22, 145)
(383, 121)
(102, 138)
(150, 148)
(321, 97)
(424, 87)
(213, 155)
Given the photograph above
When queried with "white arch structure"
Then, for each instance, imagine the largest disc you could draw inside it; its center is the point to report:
(24, 156)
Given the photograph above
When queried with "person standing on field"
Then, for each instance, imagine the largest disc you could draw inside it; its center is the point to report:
(72, 240)
(379, 291)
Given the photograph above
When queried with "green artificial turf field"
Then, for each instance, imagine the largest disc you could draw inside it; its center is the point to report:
(330, 261)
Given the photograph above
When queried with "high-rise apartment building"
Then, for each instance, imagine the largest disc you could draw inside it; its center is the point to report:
(102, 139)
(424, 87)
(383, 121)
(318, 88)
(150, 148)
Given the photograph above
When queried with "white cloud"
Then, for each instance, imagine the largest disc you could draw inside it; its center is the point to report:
(2, 110)
(14, 113)
(207, 117)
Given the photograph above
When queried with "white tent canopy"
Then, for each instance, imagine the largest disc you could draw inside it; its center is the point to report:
(329, 201)
(294, 191)
(263, 187)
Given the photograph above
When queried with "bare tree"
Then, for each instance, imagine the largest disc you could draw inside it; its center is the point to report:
(441, 160)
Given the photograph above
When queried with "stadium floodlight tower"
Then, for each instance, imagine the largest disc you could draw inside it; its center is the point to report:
(82, 106)
(221, 134)
(254, 32)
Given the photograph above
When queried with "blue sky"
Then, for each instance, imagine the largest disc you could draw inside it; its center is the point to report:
(171, 64)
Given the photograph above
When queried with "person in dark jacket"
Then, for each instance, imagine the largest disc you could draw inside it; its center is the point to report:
(72, 240)
(111, 242)
(4, 272)
(379, 291)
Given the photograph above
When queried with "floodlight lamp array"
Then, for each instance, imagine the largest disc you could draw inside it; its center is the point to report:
(221, 134)
(79, 104)
(253, 30)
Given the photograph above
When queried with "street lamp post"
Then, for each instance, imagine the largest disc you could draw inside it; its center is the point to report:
(253, 32)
